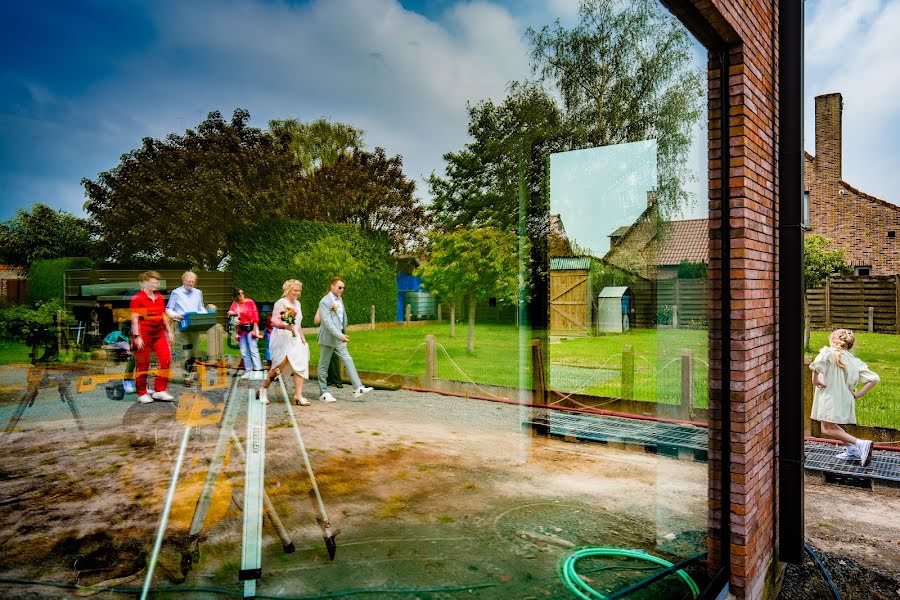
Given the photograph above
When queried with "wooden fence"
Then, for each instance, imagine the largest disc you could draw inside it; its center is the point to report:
(849, 302)
(652, 298)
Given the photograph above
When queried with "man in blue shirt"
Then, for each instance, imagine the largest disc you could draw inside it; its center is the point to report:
(185, 299)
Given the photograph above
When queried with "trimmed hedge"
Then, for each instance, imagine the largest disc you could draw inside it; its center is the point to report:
(313, 252)
(46, 277)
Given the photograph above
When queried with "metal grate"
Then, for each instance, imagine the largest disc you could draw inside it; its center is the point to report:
(664, 438)
(670, 438)
(821, 457)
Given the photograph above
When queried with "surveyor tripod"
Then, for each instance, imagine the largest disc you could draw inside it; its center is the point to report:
(256, 501)
(41, 376)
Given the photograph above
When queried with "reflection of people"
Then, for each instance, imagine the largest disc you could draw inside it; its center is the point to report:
(334, 365)
(247, 330)
(287, 345)
(333, 340)
(186, 299)
(150, 330)
(835, 375)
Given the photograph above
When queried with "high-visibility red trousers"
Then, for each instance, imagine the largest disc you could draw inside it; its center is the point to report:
(160, 345)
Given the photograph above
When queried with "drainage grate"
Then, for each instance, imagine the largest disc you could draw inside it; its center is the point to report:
(821, 457)
(672, 439)
(663, 438)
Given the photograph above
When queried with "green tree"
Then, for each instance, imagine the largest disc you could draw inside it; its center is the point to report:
(472, 264)
(183, 198)
(623, 73)
(818, 265)
(43, 233)
(318, 143)
(481, 182)
(367, 189)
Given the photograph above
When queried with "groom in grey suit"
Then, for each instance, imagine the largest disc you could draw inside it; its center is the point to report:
(333, 340)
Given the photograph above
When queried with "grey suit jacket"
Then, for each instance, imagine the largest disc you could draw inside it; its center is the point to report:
(332, 325)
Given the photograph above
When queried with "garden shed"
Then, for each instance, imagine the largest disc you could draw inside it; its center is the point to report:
(614, 306)
(570, 295)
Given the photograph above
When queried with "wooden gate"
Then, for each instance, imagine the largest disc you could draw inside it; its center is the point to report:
(570, 302)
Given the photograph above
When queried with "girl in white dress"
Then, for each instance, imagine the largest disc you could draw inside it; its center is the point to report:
(288, 349)
(835, 374)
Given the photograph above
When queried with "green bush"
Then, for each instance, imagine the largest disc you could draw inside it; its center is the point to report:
(46, 277)
(313, 252)
(33, 325)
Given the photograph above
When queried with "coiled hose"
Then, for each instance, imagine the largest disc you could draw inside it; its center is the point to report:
(577, 585)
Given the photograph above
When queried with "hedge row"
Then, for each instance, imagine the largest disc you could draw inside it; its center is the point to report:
(46, 278)
(314, 252)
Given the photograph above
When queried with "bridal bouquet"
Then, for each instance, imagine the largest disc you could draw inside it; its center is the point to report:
(289, 316)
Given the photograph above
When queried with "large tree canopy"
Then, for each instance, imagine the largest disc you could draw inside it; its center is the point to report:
(316, 144)
(182, 198)
(623, 73)
(43, 233)
(366, 189)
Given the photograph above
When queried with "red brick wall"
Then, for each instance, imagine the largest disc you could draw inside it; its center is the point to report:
(850, 219)
(749, 27)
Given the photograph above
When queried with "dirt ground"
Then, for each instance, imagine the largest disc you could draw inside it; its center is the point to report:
(435, 497)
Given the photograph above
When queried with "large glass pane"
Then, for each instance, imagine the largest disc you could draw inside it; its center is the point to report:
(528, 324)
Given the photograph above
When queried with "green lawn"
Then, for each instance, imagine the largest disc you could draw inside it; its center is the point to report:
(657, 352)
(881, 351)
(657, 363)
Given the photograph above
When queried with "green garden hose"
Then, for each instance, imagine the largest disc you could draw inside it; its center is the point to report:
(578, 587)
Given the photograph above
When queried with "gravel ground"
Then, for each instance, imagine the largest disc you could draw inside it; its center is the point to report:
(853, 580)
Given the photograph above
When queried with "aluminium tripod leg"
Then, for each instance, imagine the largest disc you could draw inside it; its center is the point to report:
(232, 408)
(322, 516)
(251, 553)
(164, 519)
(27, 400)
(65, 394)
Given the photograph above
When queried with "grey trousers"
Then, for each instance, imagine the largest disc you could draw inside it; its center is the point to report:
(325, 353)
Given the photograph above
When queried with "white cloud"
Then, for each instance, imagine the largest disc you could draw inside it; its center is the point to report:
(835, 24)
(862, 66)
(403, 78)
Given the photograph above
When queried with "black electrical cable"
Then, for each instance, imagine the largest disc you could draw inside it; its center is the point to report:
(834, 590)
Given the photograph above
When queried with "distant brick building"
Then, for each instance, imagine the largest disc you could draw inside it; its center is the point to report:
(864, 226)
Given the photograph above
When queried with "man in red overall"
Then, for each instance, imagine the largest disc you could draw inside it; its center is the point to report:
(151, 330)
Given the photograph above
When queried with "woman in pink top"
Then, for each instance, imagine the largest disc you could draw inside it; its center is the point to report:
(248, 331)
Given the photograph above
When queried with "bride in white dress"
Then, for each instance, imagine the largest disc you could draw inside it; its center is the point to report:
(288, 349)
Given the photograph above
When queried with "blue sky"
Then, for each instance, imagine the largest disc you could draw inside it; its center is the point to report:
(83, 81)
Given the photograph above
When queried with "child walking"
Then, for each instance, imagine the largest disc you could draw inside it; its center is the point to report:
(836, 374)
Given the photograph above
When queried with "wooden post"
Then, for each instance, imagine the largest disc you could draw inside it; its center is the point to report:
(871, 319)
(539, 383)
(628, 372)
(215, 338)
(674, 316)
(408, 313)
(430, 360)
(371, 319)
(439, 312)
(687, 383)
(828, 303)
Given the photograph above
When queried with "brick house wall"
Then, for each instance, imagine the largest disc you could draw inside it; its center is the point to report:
(858, 223)
(749, 29)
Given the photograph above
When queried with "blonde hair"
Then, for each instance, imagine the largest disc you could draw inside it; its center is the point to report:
(287, 285)
(841, 340)
(148, 275)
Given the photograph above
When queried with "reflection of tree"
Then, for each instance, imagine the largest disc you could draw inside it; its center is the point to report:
(622, 74)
